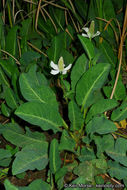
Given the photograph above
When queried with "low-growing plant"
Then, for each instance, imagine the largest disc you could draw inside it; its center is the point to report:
(68, 94)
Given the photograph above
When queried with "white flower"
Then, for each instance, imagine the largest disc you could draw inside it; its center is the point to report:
(60, 67)
(90, 31)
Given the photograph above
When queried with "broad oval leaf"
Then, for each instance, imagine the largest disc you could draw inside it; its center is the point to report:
(86, 154)
(8, 67)
(120, 113)
(67, 142)
(4, 154)
(108, 53)
(118, 153)
(100, 107)
(116, 170)
(91, 81)
(15, 134)
(31, 157)
(33, 89)
(28, 57)
(88, 46)
(10, 98)
(57, 45)
(78, 70)
(9, 186)
(44, 115)
(103, 143)
(38, 184)
(5, 110)
(100, 125)
(89, 169)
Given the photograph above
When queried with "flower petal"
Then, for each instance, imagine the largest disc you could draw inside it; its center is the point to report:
(68, 67)
(54, 72)
(97, 34)
(85, 35)
(53, 65)
(64, 72)
(86, 29)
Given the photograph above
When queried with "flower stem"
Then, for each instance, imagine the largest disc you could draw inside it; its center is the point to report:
(63, 87)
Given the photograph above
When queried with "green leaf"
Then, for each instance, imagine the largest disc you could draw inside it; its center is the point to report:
(91, 168)
(66, 86)
(88, 46)
(11, 41)
(21, 175)
(86, 154)
(8, 67)
(66, 142)
(54, 157)
(91, 81)
(9, 186)
(107, 91)
(58, 15)
(24, 32)
(125, 182)
(67, 4)
(85, 166)
(38, 184)
(68, 58)
(108, 8)
(78, 182)
(47, 27)
(44, 115)
(4, 154)
(33, 156)
(5, 110)
(103, 143)
(60, 173)
(33, 88)
(28, 57)
(10, 98)
(2, 35)
(116, 170)
(54, 52)
(100, 164)
(75, 116)
(120, 91)
(16, 135)
(100, 107)
(99, 180)
(68, 37)
(71, 166)
(108, 52)
(78, 69)
(120, 113)
(88, 167)
(100, 125)
(82, 8)
(3, 78)
(14, 82)
(118, 153)
(5, 162)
